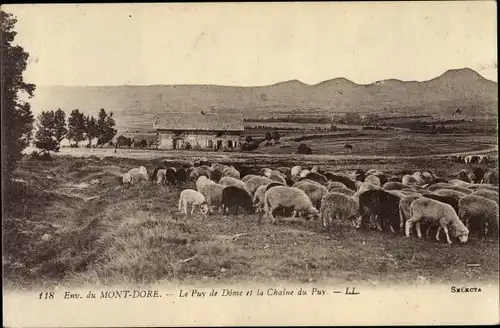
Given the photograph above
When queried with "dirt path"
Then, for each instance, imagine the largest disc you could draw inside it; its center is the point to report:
(236, 157)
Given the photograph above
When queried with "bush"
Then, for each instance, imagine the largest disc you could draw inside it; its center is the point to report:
(304, 149)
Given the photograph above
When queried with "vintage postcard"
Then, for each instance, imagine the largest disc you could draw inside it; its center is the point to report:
(242, 164)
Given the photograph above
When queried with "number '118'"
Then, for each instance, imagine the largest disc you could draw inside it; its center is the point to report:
(46, 296)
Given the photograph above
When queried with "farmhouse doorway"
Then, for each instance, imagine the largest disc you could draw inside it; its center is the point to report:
(178, 142)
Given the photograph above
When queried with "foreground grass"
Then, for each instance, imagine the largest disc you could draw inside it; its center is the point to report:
(103, 233)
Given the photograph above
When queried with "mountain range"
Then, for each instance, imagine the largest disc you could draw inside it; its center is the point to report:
(462, 89)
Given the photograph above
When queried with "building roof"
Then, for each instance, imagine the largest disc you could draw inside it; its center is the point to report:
(200, 121)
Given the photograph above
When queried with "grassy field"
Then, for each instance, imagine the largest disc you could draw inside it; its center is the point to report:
(103, 233)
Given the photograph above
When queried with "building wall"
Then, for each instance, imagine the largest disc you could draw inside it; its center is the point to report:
(197, 138)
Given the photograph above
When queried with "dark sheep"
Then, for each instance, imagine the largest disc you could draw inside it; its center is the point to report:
(215, 175)
(359, 175)
(181, 176)
(234, 197)
(478, 174)
(382, 204)
(382, 177)
(318, 177)
(170, 175)
(341, 178)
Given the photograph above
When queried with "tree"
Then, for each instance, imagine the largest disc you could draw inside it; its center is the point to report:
(90, 128)
(45, 138)
(105, 127)
(76, 126)
(60, 125)
(17, 118)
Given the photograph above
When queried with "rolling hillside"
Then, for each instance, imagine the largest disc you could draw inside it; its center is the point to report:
(137, 105)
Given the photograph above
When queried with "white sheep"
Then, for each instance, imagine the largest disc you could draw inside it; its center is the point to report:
(437, 212)
(193, 198)
(289, 197)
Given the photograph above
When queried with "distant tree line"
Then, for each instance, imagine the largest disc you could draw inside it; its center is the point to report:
(52, 129)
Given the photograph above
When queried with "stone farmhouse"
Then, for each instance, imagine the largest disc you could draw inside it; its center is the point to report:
(199, 130)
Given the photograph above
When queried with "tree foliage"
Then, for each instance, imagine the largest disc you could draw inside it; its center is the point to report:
(90, 129)
(105, 127)
(45, 138)
(59, 126)
(17, 118)
(76, 126)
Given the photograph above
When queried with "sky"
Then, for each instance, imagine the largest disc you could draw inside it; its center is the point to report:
(251, 44)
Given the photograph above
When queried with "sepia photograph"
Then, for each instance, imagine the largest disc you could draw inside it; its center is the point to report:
(291, 163)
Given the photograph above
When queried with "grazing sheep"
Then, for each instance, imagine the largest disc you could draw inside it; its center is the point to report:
(459, 183)
(359, 175)
(284, 170)
(381, 204)
(170, 173)
(255, 182)
(439, 185)
(203, 181)
(404, 209)
(295, 171)
(478, 174)
(374, 172)
(318, 177)
(181, 176)
(266, 172)
(479, 214)
(394, 185)
(228, 181)
(418, 177)
(452, 201)
(248, 177)
(155, 172)
(289, 198)
(315, 191)
(428, 177)
(436, 212)
(395, 178)
(335, 185)
(403, 193)
(258, 199)
(216, 172)
(303, 173)
(278, 177)
(466, 175)
(213, 195)
(373, 179)
(338, 206)
(450, 193)
(491, 177)
(486, 193)
(161, 176)
(193, 198)
(135, 175)
(231, 172)
(200, 170)
(235, 197)
(409, 180)
(365, 186)
(304, 180)
(344, 191)
(341, 178)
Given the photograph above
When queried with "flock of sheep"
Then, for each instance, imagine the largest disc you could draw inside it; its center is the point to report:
(372, 199)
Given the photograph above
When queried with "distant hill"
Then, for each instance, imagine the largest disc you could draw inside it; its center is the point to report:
(462, 89)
